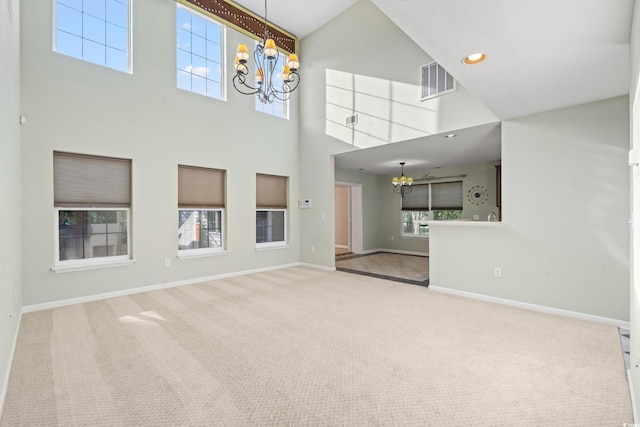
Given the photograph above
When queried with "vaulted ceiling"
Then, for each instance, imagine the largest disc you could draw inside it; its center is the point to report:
(541, 55)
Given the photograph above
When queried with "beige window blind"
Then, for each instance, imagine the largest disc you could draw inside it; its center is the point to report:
(91, 181)
(418, 199)
(200, 187)
(271, 191)
(446, 195)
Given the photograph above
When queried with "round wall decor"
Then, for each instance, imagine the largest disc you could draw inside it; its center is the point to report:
(477, 195)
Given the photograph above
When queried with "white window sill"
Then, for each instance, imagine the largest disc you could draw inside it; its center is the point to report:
(191, 254)
(67, 268)
(271, 246)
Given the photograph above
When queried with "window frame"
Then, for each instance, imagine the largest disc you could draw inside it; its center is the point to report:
(286, 109)
(203, 252)
(95, 262)
(129, 30)
(278, 243)
(223, 50)
(437, 93)
(430, 212)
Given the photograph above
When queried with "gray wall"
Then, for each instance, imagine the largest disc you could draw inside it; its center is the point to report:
(10, 215)
(564, 240)
(360, 41)
(78, 107)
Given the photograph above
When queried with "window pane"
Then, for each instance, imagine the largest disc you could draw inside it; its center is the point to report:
(92, 234)
(199, 229)
(95, 8)
(69, 20)
(117, 37)
(413, 222)
(117, 13)
(199, 52)
(69, 44)
(117, 59)
(269, 226)
(93, 29)
(101, 25)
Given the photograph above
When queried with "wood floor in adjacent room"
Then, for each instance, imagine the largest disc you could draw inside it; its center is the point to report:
(306, 347)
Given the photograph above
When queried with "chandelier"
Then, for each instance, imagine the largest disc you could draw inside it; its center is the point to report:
(402, 185)
(269, 86)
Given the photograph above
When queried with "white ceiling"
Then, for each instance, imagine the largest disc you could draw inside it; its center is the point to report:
(541, 55)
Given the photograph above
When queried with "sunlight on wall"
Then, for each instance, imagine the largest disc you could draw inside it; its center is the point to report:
(387, 111)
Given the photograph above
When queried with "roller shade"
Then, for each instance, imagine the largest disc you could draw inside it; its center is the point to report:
(446, 195)
(418, 199)
(271, 191)
(200, 187)
(81, 180)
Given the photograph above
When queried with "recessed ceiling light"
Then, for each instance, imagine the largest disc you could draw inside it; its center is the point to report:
(474, 58)
(451, 135)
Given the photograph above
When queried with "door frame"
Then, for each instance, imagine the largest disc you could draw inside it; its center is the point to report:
(355, 225)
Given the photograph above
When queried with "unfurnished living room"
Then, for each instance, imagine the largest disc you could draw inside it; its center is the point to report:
(178, 176)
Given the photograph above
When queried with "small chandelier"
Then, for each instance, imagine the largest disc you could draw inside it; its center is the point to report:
(266, 59)
(402, 185)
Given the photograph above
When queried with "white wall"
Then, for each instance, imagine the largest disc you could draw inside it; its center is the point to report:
(10, 215)
(634, 98)
(364, 43)
(564, 238)
(79, 107)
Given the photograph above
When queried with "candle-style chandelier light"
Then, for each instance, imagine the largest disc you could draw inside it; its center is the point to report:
(269, 86)
(403, 184)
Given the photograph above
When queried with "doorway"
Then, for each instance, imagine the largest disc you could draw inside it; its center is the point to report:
(348, 218)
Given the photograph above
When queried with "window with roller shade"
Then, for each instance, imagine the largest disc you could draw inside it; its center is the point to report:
(201, 203)
(432, 201)
(271, 210)
(92, 204)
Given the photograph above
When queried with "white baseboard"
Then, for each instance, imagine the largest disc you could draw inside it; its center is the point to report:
(317, 267)
(632, 392)
(399, 251)
(342, 246)
(131, 291)
(5, 382)
(534, 307)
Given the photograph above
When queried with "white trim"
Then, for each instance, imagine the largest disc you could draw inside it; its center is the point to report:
(399, 251)
(632, 393)
(342, 246)
(466, 223)
(271, 246)
(533, 307)
(317, 267)
(189, 254)
(96, 297)
(5, 381)
(68, 268)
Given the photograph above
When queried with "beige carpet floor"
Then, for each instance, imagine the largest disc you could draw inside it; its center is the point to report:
(301, 347)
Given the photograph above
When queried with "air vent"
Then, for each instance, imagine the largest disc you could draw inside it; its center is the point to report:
(436, 81)
(351, 120)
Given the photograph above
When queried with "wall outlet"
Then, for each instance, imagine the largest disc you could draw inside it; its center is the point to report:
(393, 237)
(476, 217)
(497, 271)
(313, 248)
(167, 262)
